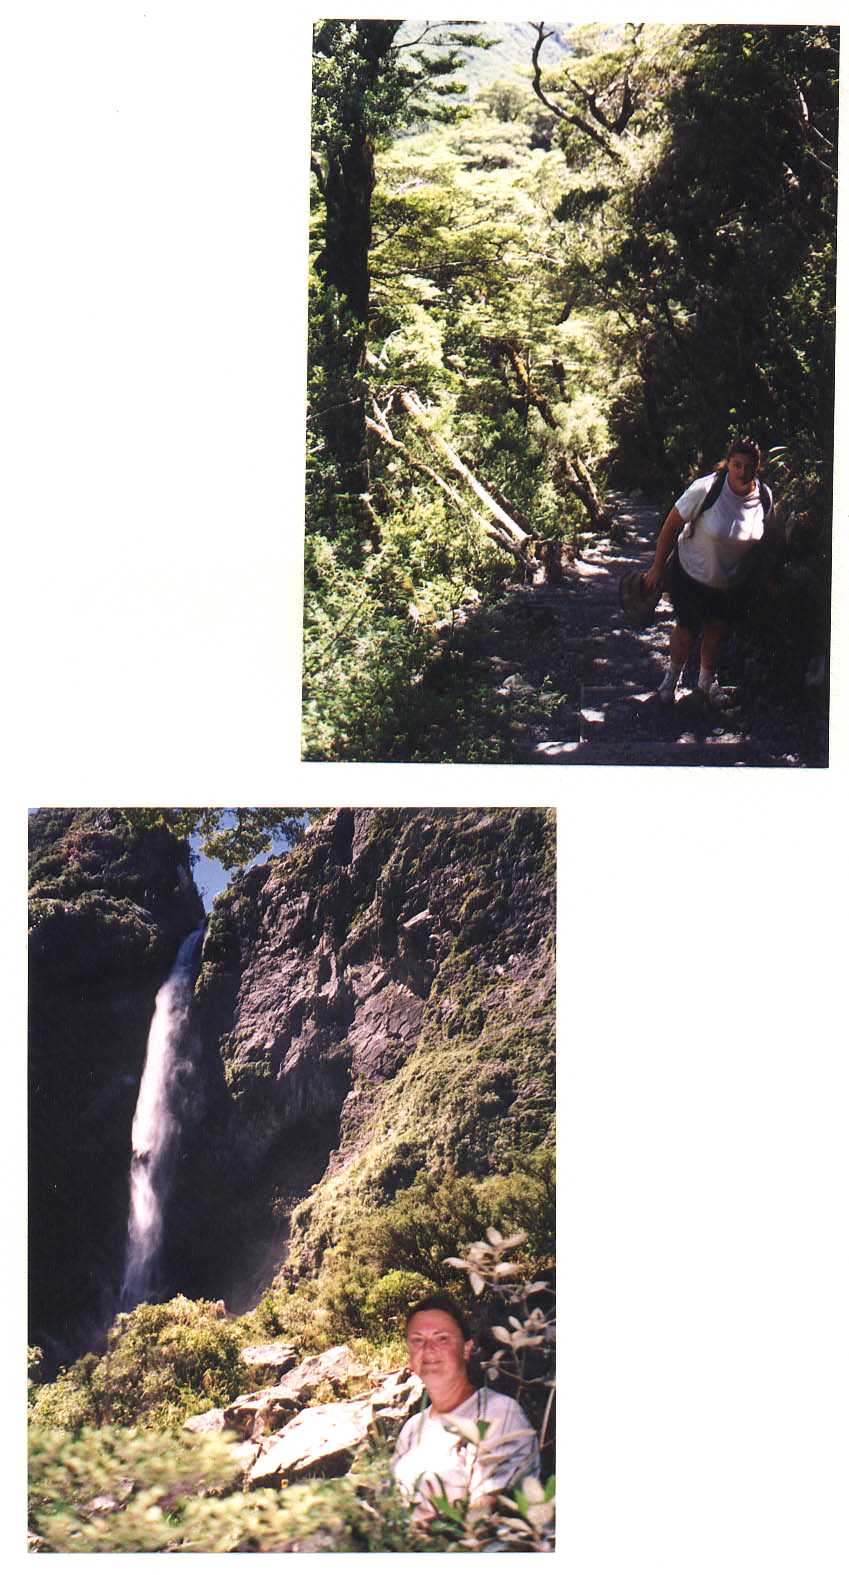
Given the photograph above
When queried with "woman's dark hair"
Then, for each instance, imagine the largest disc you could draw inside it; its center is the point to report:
(748, 446)
(440, 1301)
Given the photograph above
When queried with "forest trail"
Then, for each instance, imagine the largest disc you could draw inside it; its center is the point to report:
(580, 682)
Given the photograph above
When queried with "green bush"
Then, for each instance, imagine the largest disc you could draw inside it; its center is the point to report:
(408, 1240)
(67, 1402)
(119, 1490)
(161, 1364)
(391, 1296)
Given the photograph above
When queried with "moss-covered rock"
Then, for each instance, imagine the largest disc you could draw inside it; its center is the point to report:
(380, 1001)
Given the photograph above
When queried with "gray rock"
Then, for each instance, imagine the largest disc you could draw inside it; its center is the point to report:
(322, 1440)
(274, 1357)
(254, 1415)
(206, 1422)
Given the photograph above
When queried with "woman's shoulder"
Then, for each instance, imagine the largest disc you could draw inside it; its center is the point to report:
(694, 493)
(498, 1404)
(714, 478)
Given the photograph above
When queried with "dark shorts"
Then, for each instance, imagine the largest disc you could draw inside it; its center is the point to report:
(695, 603)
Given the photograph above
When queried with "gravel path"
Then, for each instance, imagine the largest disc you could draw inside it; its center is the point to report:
(572, 643)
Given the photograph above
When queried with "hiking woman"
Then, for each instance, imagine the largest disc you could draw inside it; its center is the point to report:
(721, 529)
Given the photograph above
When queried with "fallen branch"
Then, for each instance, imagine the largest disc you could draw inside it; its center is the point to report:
(380, 427)
(499, 516)
(542, 560)
(571, 468)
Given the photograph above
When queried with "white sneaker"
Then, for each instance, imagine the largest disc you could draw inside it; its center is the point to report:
(715, 695)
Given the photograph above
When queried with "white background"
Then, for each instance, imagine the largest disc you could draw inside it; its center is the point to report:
(155, 199)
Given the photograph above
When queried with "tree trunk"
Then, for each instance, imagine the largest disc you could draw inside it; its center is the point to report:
(543, 561)
(343, 263)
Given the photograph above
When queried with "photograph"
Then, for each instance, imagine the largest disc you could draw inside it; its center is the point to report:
(292, 1180)
(394, 407)
(570, 393)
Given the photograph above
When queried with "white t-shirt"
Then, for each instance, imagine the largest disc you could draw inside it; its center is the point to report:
(426, 1449)
(713, 549)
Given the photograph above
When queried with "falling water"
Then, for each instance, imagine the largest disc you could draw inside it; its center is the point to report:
(156, 1124)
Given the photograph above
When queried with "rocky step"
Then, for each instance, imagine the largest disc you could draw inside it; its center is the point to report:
(629, 714)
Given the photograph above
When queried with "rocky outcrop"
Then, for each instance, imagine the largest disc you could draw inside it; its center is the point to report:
(108, 909)
(256, 1414)
(378, 1000)
(280, 1437)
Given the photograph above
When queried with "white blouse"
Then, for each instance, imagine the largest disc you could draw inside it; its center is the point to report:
(427, 1449)
(713, 549)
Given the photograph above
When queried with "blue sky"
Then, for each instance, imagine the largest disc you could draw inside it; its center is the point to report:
(211, 877)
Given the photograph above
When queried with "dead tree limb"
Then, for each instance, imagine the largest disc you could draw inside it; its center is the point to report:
(499, 516)
(571, 468)
(508, 347)
(515, 541)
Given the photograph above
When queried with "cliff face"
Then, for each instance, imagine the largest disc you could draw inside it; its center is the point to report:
(108, 909)
(378, 1001)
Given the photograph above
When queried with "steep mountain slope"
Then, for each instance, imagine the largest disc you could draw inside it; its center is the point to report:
(378, 1001)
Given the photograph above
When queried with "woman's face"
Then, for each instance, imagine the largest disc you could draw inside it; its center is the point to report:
(436, 1348)
(741, 473)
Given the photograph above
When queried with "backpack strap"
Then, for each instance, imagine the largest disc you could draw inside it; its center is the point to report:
(711, 495)
(710, 498)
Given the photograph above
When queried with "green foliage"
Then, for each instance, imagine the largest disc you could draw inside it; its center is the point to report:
(453, 221)
(162, 1363)
(233, 836)
(726, 239)
(118, 1490)
(384, 1254)
(390, 1298)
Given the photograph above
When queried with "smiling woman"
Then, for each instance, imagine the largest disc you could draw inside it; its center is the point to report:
(468, 1444)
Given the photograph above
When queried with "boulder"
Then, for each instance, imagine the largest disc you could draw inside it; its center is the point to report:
(256, 1414)
(335, 1366)
(322, 1440)
(397, 1396)
(272, 1359)
(206, 1422)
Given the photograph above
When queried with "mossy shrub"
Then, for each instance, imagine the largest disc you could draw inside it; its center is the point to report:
(67, 1402)
(161, 1364)
(390, 1298)
(299, 1315)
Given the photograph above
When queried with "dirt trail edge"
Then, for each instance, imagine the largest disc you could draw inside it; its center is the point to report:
(581, 682)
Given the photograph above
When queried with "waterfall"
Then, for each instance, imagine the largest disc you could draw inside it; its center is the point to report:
(156, 1123)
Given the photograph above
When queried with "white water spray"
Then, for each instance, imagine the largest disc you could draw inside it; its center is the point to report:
(156, 1125)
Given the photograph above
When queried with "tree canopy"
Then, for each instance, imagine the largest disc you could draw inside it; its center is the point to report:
(233, 836)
